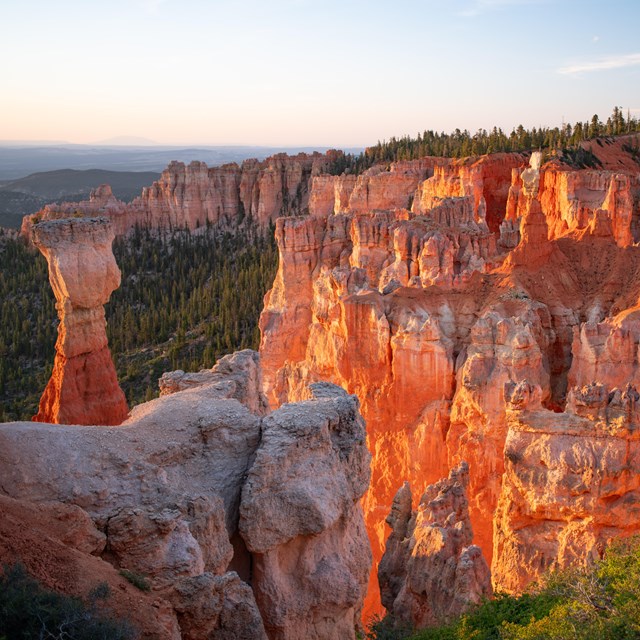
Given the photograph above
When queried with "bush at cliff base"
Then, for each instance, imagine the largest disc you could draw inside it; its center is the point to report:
(30, 612)
(601, 602)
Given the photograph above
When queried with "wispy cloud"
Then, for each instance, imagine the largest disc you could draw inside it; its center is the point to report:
(595, 39)
(477, 7)
(602, 64)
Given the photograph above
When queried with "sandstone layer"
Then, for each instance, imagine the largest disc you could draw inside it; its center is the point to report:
(83, 273)
(571, 481)
(246, 526)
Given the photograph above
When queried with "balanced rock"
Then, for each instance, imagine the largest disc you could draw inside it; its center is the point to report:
(83, 273)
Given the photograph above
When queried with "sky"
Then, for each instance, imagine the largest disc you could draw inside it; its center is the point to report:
(341, 73)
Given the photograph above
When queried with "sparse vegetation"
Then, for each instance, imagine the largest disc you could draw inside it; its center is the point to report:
(30, 612)
(136, 579)
(580, 158)
(459, 144)
(601, 602)
(633, 151)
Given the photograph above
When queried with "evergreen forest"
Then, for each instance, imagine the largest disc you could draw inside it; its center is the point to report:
(460, 144)
(186, 299)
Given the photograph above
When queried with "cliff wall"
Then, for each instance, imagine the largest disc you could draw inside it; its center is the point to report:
(426, 313)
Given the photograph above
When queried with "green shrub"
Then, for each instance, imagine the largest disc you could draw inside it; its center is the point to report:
(30, 612)
(136, 579)
(600, 602)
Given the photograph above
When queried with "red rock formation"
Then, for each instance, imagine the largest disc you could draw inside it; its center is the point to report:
(83, 388)
(571, 481)
(571, 199)
(486, 180)
(509, 342)
(431, 572)
(195, 195)
(425, 319)
(325, 318)
(607, 351)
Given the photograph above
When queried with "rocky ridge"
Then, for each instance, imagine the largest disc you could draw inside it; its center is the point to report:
(195, 195)
(189, 492)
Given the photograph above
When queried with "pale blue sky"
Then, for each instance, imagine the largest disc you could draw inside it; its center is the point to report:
(303, 72)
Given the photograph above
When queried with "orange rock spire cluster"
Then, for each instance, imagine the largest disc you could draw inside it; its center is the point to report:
(83, 273)
(196, 195)
(425, 305)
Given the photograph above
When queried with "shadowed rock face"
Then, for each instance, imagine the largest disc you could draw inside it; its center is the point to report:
(430, 571)
(240, 522)
(83, 273)
(299, 519)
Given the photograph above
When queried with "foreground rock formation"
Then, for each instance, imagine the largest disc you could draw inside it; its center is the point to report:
(83, 273)
(246, 525)
(431, 571)
(495, 270)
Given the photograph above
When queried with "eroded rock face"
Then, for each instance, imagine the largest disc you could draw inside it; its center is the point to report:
(354, 303)
(300, 519)
(195, 195)
(431, 571)
(425, 313)
(59, 545)
(509, 342)
(571, 481)
(83, 273)
(163, 495)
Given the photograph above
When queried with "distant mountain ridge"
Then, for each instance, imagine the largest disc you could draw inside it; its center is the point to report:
(18, 160)
(29, 194)
(65, 182)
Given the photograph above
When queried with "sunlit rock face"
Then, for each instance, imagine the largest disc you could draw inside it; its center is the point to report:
(430, 571)
(194, 195)
(571, 481)
(426, 311)
(245, 525)
(83, 273)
